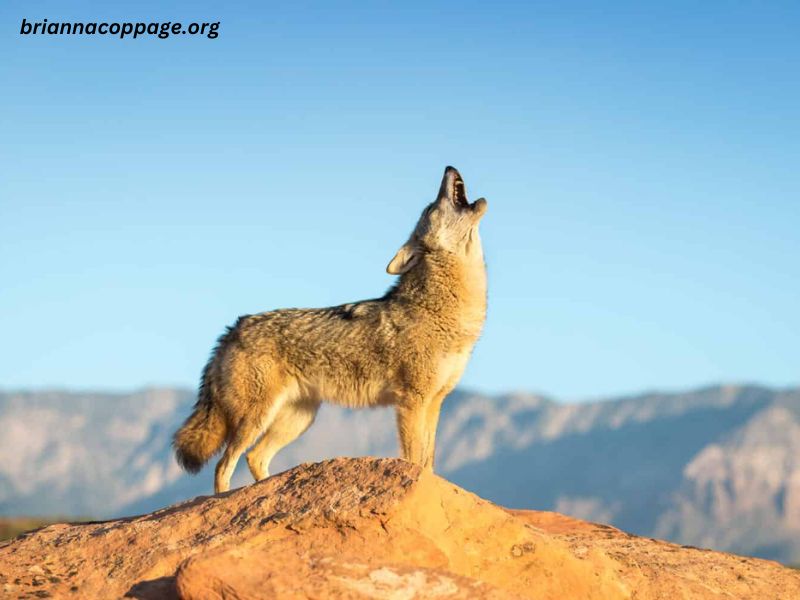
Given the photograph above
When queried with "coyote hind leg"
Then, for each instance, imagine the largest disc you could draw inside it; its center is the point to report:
(257, 416)
(245, 435)
(289, 424)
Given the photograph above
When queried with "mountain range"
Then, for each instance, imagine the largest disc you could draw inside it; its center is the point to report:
(716, 467)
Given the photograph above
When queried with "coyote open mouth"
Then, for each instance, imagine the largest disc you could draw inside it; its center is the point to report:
(459, 193)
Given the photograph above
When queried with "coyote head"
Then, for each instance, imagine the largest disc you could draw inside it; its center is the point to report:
(448, 224)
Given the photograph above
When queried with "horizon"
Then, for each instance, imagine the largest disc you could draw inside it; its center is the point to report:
(639, 163)
(620, 396)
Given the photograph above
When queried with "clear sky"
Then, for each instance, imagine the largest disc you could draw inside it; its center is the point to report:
(641, 162)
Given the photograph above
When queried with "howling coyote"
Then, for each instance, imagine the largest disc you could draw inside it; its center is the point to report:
(269, 372)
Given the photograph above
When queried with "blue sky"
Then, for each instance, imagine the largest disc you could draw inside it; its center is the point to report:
(640, 162)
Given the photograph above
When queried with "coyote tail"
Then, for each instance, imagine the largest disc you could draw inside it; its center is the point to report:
(204, 432)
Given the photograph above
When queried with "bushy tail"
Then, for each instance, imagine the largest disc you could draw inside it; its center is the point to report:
(204, 431)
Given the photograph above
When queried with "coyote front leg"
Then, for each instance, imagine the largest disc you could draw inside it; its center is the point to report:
(416, 428)
(411, 431)
(431, 423)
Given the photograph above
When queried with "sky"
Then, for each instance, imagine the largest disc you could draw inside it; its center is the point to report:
(640, 161)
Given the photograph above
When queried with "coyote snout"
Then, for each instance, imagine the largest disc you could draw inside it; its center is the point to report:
(269, 372)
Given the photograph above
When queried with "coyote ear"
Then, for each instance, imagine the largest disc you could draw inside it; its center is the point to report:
(405, 258)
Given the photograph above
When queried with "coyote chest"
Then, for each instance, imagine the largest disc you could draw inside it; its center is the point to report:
(451, 365)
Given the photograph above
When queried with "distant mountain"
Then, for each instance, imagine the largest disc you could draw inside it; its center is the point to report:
(717, 467)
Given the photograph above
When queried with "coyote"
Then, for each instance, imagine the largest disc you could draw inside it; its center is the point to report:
(270, 371)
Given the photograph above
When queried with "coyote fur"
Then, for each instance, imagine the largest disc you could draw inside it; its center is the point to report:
(268, 374)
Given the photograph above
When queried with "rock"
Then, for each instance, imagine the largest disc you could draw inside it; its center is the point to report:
(278, 572)
(370, 528)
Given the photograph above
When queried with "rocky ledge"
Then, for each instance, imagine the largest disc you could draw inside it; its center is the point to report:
(368, 528)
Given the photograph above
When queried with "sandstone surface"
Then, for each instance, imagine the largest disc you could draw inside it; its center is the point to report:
(368, 528)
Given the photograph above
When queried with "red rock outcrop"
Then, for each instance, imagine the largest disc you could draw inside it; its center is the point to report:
(368, 528)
